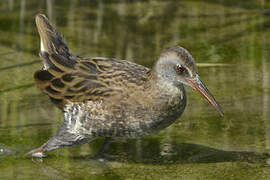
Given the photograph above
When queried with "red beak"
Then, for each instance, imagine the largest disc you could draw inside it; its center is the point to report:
(197, 84)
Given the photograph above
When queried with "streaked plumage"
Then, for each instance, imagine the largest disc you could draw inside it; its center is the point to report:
(110, 97)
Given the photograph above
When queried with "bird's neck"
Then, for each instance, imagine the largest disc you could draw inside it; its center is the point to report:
(163, 86)
(167, 98)
(161, 73)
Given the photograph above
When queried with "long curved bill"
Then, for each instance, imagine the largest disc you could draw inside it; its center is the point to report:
(197, 84)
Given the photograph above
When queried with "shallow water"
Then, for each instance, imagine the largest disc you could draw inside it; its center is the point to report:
(228, 39)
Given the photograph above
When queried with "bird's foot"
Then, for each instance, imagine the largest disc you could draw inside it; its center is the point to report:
(39, 153)
(102, 157)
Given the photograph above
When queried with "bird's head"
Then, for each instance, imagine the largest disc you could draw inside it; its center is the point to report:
(177, 66)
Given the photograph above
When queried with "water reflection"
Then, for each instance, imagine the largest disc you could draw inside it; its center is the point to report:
(214, 32)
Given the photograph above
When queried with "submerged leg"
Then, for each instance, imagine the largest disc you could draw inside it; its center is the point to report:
(62, 138)
(106, 144)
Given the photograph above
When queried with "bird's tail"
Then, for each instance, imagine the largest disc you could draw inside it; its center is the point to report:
(51, 41)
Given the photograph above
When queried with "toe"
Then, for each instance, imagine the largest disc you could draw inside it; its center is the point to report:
(39, 152)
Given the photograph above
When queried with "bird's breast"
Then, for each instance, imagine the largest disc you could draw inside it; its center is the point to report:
(170, 103)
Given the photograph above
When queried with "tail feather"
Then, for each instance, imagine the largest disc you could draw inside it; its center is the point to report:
(51, 41)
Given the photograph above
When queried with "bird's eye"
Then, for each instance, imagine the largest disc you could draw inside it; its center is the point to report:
(180, 68)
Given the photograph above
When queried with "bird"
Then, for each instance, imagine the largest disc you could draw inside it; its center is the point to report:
(112, 98)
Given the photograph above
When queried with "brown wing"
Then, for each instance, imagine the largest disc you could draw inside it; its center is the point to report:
(74, 79)
(68, 78)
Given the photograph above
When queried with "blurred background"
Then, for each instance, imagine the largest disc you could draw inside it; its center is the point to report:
(229, 40)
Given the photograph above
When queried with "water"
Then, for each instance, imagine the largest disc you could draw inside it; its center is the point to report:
(228, 39)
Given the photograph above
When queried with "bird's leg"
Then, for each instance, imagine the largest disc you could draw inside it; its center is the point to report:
(62, 138)
(106, 144)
